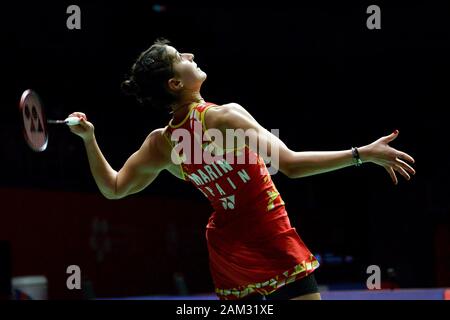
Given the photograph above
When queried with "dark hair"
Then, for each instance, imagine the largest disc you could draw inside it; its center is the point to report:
(149, 76)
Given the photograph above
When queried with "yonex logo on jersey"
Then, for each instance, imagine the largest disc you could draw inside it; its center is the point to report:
(228, 202)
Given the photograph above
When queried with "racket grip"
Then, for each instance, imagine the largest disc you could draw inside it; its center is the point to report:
(72, 121)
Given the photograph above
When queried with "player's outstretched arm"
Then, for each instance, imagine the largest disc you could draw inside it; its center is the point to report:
(141, 168)
(306, 163)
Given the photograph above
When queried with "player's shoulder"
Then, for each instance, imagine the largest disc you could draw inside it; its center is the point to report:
(155, 140)
(157, 134)
(226, 107)
(158, 146)
(221, 115)
(224, 110)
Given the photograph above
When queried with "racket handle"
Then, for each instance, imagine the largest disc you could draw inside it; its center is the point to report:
(72, 121)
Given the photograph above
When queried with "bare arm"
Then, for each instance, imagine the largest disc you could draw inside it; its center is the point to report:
(309, 163)
(302, 164)
(137, 173)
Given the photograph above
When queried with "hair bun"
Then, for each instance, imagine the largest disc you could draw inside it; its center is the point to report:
(130, 87)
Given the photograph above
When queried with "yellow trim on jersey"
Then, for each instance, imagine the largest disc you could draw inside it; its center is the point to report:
(191, 107)
(267, 287)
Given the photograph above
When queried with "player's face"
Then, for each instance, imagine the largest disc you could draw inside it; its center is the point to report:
(186, 69)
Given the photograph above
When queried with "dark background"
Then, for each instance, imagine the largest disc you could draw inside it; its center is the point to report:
(315, 72)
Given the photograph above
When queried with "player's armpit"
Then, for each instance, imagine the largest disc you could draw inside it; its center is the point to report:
(141, 168)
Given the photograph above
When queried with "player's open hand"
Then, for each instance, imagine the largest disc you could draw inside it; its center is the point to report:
(379, 152)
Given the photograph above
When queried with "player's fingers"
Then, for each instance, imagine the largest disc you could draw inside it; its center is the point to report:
(405, 166)
(405, 156)
(83, 123)
(392, 174)
(402, 172)
(78, 114)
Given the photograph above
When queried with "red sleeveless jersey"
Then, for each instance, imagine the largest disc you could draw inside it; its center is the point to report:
(251, 243)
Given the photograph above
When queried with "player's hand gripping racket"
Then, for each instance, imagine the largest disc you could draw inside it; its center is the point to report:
(35, 122)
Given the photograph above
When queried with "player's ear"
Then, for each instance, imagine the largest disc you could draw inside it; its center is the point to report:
(175, 84)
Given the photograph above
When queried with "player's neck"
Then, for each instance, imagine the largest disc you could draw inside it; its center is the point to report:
(181, 108)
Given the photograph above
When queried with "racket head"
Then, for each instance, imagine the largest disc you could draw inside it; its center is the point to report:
(34, 121)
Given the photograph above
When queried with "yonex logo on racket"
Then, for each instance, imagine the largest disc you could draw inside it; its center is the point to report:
(35, 124)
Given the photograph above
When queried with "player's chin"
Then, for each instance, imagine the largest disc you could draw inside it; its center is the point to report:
(200, 71)
(202, 75)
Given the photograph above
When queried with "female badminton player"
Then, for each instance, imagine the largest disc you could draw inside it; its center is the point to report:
(254, 251)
